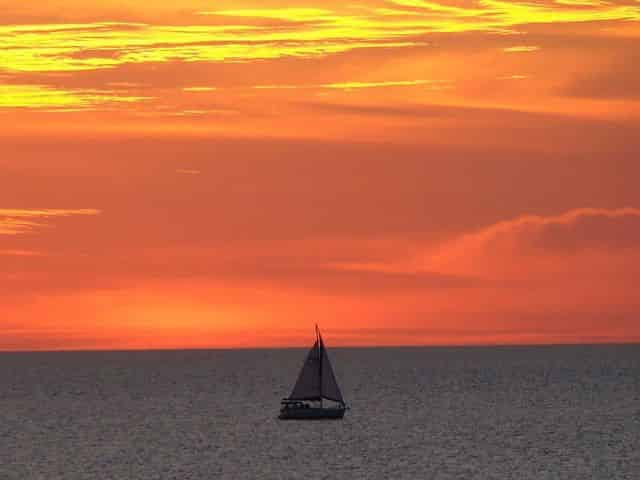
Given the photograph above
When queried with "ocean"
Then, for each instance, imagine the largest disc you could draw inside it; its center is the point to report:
(558, 412)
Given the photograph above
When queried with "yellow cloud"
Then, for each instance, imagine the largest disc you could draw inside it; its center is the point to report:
(290, 14)
(55, 48)
(351, 85)
(19, 221)
(248, 34)
(521, 48)
(199, 89)
(45, 97)
(503, 14)
(511, 13)
(397, 83)
(280, 87)
(581, 2)
(438, 7)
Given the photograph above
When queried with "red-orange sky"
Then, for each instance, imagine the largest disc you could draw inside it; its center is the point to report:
(228, 173)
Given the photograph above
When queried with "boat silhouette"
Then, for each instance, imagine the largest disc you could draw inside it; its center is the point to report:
(316, 384)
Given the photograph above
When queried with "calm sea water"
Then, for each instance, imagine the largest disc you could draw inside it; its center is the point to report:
(417, 413)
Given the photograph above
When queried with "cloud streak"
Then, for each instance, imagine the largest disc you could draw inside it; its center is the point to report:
(579, 228)
(22, 221)
(521, 49)
(354, 85)
(578, 231)
(94, 46)
(57, 99)
(258, 34)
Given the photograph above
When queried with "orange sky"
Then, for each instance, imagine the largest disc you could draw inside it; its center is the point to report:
(226, 174)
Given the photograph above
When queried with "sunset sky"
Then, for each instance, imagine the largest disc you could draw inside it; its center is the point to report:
(403, 172)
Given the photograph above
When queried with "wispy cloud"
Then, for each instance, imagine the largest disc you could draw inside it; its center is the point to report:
(358, 85)
(353, 85)
(291, 14)
(21, 221)
(588, 3)
(561, 224)
(248, 34)
(521, 48)
(197, 112)
(51, 98)
(575, 231)
(199, 89)
(92, 46)
(21, 253)
(513, 77)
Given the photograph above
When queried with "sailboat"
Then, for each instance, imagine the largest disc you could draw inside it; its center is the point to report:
(315, 386)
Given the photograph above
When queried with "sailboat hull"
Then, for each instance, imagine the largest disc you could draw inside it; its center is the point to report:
(311, 413)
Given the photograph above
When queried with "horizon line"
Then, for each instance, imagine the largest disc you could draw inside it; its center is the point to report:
(298, 347)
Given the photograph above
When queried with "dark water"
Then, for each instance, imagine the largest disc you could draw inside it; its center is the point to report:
(503, 413)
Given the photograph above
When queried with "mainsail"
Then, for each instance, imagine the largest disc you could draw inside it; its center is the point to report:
(308, 386)
(316, 379)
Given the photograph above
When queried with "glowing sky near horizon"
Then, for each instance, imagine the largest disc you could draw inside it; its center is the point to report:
(227, 174)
